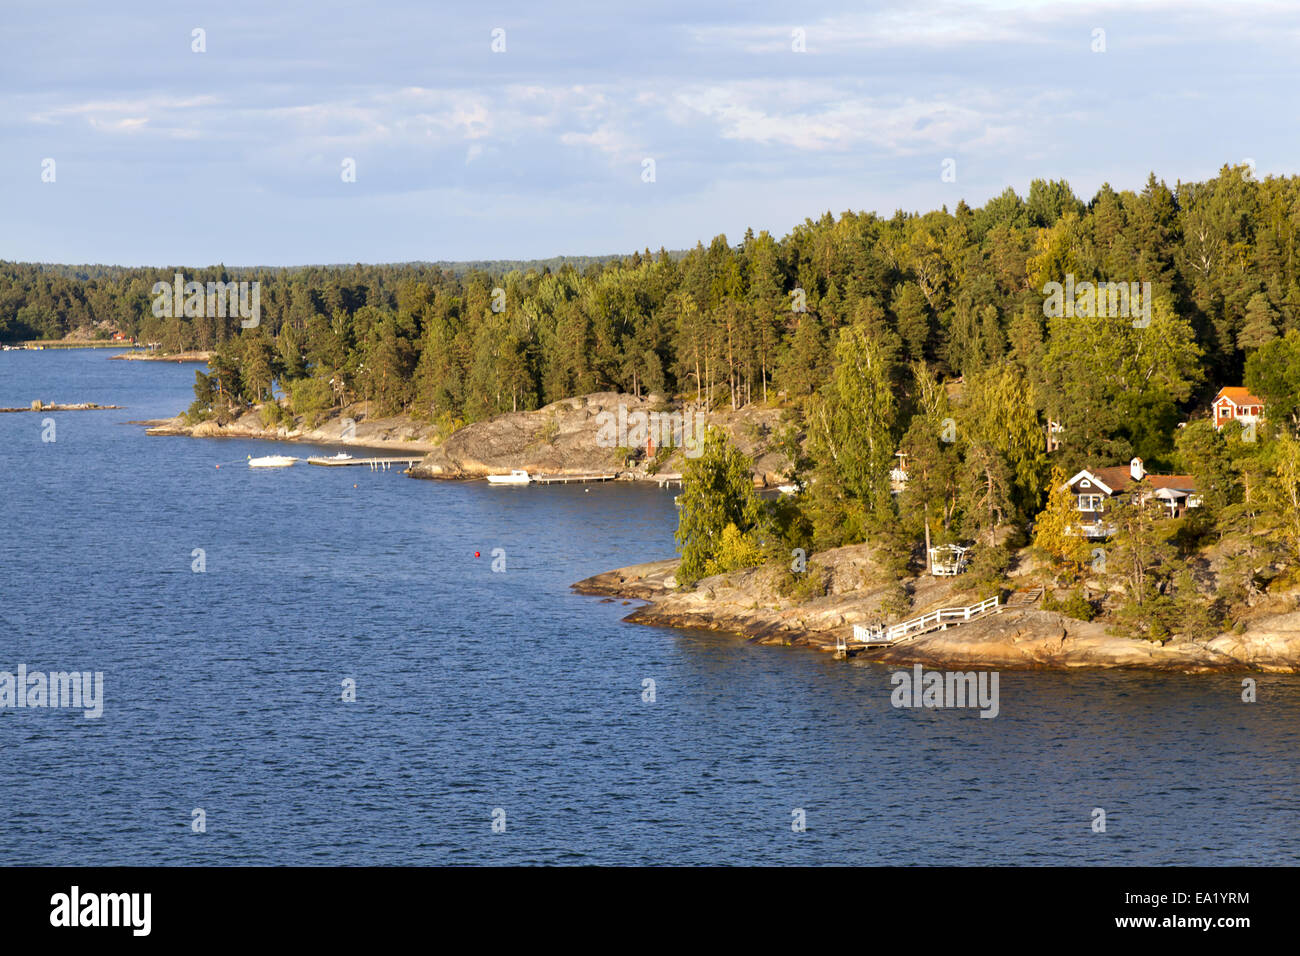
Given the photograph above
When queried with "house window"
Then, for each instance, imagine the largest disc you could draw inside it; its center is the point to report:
(1090, 502)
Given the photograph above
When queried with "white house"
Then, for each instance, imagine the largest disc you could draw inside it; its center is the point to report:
(1093, 487)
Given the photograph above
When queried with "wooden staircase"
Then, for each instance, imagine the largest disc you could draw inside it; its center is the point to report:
(867, 636)
(1026, 597)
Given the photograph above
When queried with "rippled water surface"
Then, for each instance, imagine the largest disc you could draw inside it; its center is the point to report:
(479, 690)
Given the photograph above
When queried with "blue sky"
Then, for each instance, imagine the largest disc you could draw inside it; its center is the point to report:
(164, 156)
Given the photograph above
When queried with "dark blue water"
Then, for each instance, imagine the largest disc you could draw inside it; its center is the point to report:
(479, 690)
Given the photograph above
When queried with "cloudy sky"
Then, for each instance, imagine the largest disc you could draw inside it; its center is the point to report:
(166, 156)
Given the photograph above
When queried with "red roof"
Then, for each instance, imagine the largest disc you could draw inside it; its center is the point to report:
(1238, 395)
(1115, 477)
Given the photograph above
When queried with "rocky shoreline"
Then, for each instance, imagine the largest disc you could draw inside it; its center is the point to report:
(389, 433)
(569, 437)
(39, 406)
(148, 356)
(749, 604)
(563, 438)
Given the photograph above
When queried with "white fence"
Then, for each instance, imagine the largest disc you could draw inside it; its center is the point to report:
(935, 620)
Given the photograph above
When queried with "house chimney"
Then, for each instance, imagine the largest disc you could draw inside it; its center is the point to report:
(1135, 469)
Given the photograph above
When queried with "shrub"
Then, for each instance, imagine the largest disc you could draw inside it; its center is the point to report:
(446, 424)
(272, 414)
(199, 412)
(736, 550)
(988, 569)
(813, 582)
(550, 429)
(1075, 605)
(897, 601)
(1153, 619)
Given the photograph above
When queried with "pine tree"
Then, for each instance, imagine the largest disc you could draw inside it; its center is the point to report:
(719, 510)
(1260, 324)
(1140, 558)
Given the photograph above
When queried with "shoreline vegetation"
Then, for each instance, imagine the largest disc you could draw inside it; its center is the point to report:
(193, 355)
(40, 345)
(924, 383)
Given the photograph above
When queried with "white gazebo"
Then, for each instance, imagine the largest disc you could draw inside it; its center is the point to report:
(947, 560)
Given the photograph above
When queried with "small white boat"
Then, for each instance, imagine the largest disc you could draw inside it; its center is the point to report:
(516, 477)
(271, 461)
(341, 456)
(788, 489)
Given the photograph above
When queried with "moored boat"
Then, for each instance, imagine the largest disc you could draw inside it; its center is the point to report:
(516, 477)
(271, 461)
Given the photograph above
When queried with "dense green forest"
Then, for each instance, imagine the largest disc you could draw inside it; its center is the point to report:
(925, 332)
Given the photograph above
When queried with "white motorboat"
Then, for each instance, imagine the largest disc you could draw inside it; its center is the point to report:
(341, 456)
(271, 461)
(516, 477)
(788, 489)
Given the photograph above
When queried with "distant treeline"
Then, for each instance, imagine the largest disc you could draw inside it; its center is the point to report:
(950, 293)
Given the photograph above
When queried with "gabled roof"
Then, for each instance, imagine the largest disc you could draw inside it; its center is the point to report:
(1238, 395)
(1093, 477)
(1117, 478)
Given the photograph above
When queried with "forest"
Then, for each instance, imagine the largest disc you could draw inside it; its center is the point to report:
(920, 333)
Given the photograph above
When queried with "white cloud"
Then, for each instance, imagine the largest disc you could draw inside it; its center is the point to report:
(934, 25)
(107, 113)
(821, 117)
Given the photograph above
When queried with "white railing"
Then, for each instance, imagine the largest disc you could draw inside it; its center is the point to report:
(878, 634)
(867, 633)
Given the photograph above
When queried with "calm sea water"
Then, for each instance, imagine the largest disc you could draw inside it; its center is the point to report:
(479, 690)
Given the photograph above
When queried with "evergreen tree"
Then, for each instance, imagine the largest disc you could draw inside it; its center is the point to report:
(719, 510)
(1260, 324)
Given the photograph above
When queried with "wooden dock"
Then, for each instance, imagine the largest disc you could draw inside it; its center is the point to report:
(867, 636)
(374, 464)
(565, 479)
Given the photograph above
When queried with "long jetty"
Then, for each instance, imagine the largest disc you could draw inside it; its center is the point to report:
(374, 464)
